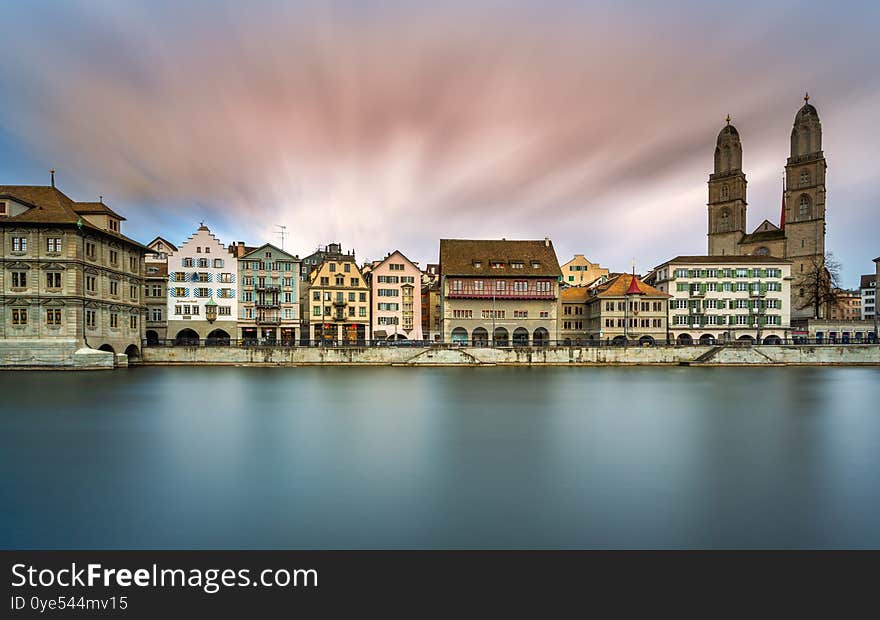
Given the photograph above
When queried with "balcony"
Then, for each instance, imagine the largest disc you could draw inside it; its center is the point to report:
(339, 317)
(757, 293)
(269, 288)
(340, 303)
(696, 292)
(268, 320)
(267, 303)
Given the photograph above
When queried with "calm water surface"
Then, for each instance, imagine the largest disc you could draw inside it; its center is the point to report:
(440, 458)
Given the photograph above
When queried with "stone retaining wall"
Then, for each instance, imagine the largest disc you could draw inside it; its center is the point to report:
(478, 356)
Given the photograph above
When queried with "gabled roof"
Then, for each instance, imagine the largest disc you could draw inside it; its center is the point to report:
(49, 205)
(379, 263)
(458, 257)
(766, 226)
(620, 286)
(262, 248)
(764, 235)
(163, 240)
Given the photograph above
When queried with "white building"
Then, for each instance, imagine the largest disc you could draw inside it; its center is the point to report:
(202, 300)
(868, 290)
(727, 298)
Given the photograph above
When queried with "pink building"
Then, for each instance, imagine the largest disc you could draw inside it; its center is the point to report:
(396, 288)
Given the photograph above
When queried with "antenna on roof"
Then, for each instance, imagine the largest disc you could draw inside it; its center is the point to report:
(282, 232)
(52, 176)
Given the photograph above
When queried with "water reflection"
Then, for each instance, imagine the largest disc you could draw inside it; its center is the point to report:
(441, 458)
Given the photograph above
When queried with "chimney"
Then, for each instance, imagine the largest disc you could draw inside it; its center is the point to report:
(52, 176)
(546, 242)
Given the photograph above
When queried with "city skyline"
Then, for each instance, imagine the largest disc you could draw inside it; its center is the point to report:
(390, 128)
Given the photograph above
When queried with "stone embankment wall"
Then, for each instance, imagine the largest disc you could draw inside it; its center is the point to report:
(62, 354)
(535, 356)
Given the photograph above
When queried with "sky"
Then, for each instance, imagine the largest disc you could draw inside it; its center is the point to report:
(389, 125)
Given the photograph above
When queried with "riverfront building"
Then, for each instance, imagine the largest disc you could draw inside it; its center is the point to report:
(269, 304)
(800, 235)
(338, 301)
(70, 280)
(624, 309)
(573, 316)
(868, 294)
(726, 298)
(396, 287)
(847, 306)
(202, 290)
(506, 292)
(156, 289)
(580, 272)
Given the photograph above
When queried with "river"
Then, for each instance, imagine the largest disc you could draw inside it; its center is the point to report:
(311, 457)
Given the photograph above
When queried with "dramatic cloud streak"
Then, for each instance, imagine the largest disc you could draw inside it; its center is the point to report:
(392, 124)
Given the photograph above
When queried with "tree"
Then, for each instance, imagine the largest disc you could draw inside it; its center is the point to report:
(819, 284)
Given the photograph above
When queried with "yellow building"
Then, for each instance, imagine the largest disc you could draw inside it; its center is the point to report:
(626, 309)
(573, 315)
(338, 302)
(580, 272)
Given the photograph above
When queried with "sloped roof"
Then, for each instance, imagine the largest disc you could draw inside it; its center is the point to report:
(575, 294)
(458, 257)
(163, 240)
(377, 263)
(49, 205)
(249, 250)
(715, 260)
(619, 286)
(95, 208)
(764, 235)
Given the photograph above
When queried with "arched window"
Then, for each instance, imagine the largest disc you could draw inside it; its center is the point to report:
(805, 177)
(725, 192)
(804, 206)
(724, 221)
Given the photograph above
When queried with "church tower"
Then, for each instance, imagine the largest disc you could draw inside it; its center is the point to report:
(727, 195)
(805, 201)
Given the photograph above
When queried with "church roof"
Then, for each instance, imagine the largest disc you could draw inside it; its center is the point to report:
(808, 110)
(764, 235)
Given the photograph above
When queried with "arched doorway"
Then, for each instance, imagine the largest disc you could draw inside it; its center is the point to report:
(520, 337)
(218, 337)
(107, 347)
(684, 339)
(541, 337)
(619, 341)
(459, 335)
(746, 340)
(707, 339)
(394, 337)
(480, 337)
(501, 337)
(152, 338)
(133, 353)
(186, 337)
(646, 341)
(772, 340)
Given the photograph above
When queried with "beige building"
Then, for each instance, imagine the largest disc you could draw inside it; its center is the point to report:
(580, 272)
(499, 291)
(626, 309)
(156, 290)
(70, 280)
(800, 235)
(847, 306)
(338, 302)
(727, 298)
(269, 306)
(396, 287)
(573, 314)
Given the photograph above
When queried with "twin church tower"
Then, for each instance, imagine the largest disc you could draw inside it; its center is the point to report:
(800, 235)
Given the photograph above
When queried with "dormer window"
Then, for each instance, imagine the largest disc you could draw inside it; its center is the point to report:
(114, 225)
(517, 265)
(3, 208)
(536, 265)
(497, 264)
(478, 264)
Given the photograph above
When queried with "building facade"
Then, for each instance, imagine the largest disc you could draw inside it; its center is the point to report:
(800, 235)
(269, 304)
(868, 294)
(573, 314)
(396, 287)
(70, 280)
(202, 290)
(626, 309)
(727, 298)
(499, 291)
(338, 302)
(580, 272)
(156, 290)
(847, 306)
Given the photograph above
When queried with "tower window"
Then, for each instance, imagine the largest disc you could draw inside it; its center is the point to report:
(805, 177)
(725, 219)
(725, 191)
(804, 208)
